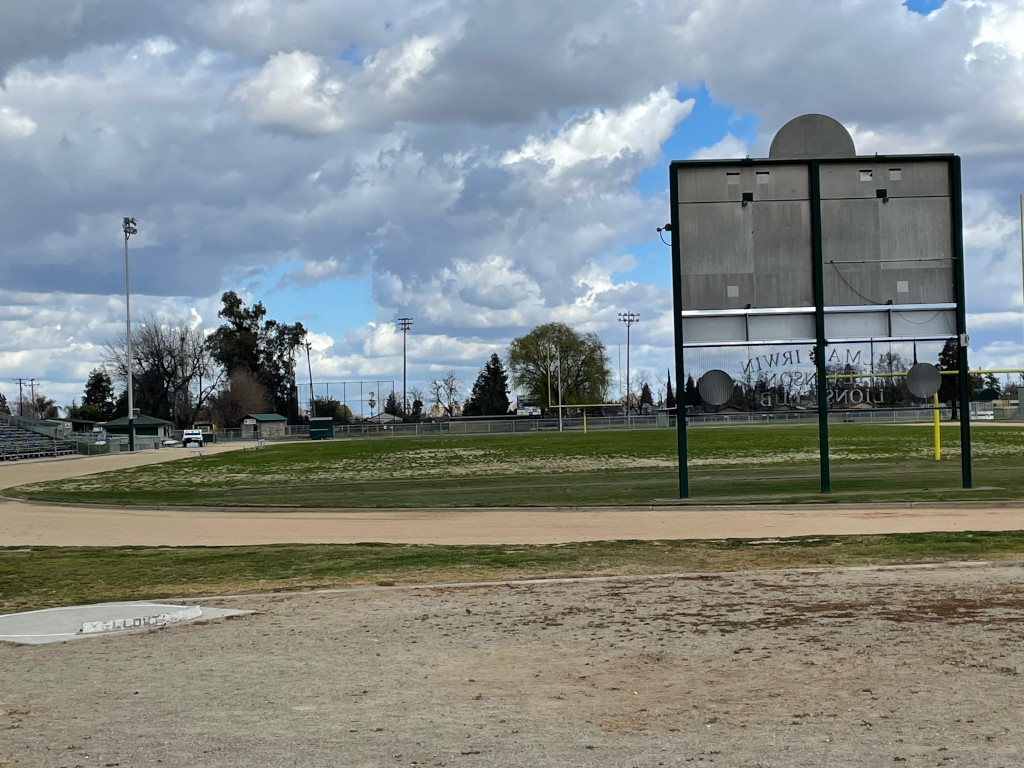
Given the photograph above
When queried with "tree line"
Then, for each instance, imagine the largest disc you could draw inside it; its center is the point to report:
(247, 365)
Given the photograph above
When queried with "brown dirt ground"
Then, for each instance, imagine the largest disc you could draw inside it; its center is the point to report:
(851, 668)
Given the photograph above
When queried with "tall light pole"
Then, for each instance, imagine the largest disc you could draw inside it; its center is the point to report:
(309, 365)
(130, 227)
(628, 318)
(404, 324)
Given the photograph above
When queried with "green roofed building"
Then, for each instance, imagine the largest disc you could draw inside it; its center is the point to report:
(263, 425)
(145, 426)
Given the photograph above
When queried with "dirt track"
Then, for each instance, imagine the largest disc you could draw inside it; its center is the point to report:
(25, 524)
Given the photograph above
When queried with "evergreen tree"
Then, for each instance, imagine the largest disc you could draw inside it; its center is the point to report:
(670, 398)
(392, 406)
(646, 399)
(490, 391)
(692, 395)
(97, 400)
(4, 407)
(949, 389)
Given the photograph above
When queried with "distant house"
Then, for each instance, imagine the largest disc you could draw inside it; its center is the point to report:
(264, 425)
(145, 426)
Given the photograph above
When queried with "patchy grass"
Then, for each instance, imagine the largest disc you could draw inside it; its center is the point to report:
(32, 578)
(763, 463)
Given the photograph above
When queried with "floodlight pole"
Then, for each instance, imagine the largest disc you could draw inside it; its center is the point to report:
(558, 362)
(309, 366)
(628, 318)
(404, 324)
(130, 227)
(1021, 200)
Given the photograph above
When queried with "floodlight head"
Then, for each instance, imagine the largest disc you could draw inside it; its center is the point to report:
(130, 226)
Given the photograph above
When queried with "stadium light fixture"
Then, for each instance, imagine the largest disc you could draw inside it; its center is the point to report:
(404, 324)
(628, 318)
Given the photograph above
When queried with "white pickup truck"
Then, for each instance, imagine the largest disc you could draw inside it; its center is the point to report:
(192, 437)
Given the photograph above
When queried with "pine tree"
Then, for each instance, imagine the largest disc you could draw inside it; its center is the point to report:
(490, 391)
(670, 398)
(949, 389)
(692, 397)
(4, 407)
(646, 398)
(391, 406)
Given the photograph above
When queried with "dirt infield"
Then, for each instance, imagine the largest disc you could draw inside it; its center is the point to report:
(851, 668)
(34, 524)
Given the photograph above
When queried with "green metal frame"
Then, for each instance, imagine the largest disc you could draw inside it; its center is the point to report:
(813, 169)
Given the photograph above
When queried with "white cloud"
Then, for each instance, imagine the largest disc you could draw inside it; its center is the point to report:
(478, 169)
(604, 135)
(293, 90)
(14, 123)
(728, 147)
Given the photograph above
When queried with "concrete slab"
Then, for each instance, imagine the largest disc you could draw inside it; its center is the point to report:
(55, 625)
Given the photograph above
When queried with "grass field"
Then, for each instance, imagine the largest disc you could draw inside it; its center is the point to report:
(734, 464)
(42, 577)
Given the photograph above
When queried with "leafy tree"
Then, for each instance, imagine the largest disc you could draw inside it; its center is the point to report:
(490, 391)
(537, 358)
(4, 407)
(670, 398)
(328, 406)
(264, 348)
(236, 344)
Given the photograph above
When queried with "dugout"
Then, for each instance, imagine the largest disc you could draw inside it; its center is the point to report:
(266, 426)
(321, 428)
(145, 426)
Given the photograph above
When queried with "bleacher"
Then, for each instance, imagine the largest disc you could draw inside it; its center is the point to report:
(19, 443)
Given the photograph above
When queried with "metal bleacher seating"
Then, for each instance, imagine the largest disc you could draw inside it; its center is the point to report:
(19, 443)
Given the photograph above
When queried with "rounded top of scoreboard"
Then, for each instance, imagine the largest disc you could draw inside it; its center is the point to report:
(812, 136)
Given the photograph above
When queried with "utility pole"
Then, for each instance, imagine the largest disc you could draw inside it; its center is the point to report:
(309, 365)
(404, 324)
(628, 318)
(32, 402)
(21, 398)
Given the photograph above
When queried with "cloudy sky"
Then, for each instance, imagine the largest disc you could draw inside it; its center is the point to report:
(480, 166)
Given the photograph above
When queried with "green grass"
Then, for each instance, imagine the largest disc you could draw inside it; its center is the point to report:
(727, 464)
(41, 577)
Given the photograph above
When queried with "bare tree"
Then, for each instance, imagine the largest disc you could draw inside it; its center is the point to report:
(173, 370)
(445, 393)
(243, 395)
(40, 407)
(639, 380)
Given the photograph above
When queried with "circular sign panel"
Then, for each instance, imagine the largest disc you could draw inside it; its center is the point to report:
(923, 380)
(715, 387)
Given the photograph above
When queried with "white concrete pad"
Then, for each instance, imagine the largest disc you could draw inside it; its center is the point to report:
(55, 625)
